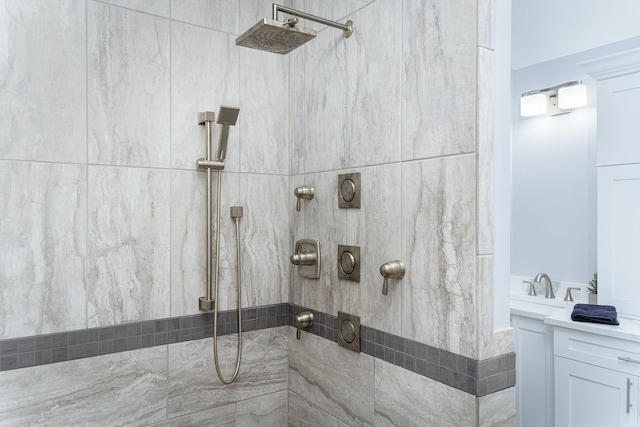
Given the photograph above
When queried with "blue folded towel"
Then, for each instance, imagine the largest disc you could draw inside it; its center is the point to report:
(593, 313)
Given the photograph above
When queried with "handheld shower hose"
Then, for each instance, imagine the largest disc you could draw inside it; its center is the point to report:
(227, 117)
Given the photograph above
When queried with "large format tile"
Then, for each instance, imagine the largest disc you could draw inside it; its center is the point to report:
(117, 389)
(221, 15)
(374, 51)
(41, 118)
(296, 231)
(265, 239)
(153, 7)
(42, 235)
(329, 9)
(325, 102)
(485, 151)
(439, 90)
(498, 409)
(354, 5)
(204, 75)
(304, 414)
(264, 95)
(267, 410)
(439, 248)
(194, 386)
(223, 416)
(253, 11)
(403, 398)
(297, 112)
(334, 379)
(325, 222)
(486, 24)
(376, 228)
(188, 240)
(129, 88)
(129, 239)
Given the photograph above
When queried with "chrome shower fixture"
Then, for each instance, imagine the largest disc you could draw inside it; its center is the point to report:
(282, 37)
(227, 116)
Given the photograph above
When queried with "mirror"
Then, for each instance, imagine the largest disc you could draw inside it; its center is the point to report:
(553, 170)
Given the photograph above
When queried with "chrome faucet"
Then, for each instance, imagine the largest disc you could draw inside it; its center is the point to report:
(548, 292)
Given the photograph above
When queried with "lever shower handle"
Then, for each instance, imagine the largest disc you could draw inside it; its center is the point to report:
(303, 192)
(391, 270)
(303, 320)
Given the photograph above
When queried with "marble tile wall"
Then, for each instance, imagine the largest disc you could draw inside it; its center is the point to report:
(103, 215)
(43, 119)
(116, 234)
(331, 386)
(43, 230)
(414, 86)
(418, 126)
(165, 385)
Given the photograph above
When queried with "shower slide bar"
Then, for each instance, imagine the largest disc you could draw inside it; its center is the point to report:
(227, 116)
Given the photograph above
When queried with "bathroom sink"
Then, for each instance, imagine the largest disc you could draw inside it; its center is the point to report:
(534, 310)
(540, 299)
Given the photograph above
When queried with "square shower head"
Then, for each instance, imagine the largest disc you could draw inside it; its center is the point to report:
(275, 36)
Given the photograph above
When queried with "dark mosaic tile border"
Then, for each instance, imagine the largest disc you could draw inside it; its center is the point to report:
(64, 346)
(478, 378)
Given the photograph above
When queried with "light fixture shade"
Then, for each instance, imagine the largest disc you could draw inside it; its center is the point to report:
(572, 97)
(533, 105)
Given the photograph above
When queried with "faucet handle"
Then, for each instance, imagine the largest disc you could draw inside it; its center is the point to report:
(303, 192)
(532, 288)
(391, 270)
(568, 296)
(303, 320)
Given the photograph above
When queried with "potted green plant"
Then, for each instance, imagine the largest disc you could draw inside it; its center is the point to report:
(592, 289)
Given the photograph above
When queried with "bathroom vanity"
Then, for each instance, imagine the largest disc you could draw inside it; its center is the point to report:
(573, 373)
(534, 363)
(597, 368)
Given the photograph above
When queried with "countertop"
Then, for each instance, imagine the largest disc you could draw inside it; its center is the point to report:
(628, 329)
(558, 313)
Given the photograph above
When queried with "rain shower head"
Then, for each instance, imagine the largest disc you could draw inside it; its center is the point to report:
(276, 36)
(227, 116)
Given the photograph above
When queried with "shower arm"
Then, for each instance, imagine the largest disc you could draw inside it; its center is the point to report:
(347, 28)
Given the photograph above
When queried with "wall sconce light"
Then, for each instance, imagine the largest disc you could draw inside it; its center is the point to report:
(553, 100)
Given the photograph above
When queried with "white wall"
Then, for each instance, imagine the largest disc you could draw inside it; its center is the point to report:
(549, 29)
(502, 163)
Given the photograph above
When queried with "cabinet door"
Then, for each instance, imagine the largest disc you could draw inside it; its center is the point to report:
(590, 396)
(534, 372)
(619, 237)
(618, 124)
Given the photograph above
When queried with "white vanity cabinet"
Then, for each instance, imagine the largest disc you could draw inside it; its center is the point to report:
(618, 236)
(534, 372)
(618, 125)
(596, 380)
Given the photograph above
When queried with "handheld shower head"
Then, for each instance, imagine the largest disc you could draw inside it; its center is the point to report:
(227, 116)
